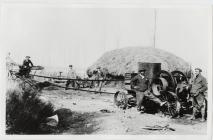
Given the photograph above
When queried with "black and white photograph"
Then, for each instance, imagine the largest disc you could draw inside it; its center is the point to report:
(99, 70)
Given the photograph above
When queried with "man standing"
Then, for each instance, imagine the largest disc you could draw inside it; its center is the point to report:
(97, 76)
(198, 87)
(141, 85)
(26, 66)
(71, 75)
(101, 75)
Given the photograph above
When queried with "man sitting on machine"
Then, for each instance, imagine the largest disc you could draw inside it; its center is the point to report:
(26, 67)
(141, 86)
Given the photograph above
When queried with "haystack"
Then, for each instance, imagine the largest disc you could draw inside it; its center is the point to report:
(121, 61)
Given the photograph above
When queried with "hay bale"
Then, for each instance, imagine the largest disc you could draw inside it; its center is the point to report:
(121, 61)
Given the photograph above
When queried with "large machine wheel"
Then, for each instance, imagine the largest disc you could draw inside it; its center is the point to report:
(169, 78)
(120, 99)
(158, 85)
(172, 106)
(179, 76)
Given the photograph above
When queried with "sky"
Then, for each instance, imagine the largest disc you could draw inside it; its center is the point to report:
(58, 36)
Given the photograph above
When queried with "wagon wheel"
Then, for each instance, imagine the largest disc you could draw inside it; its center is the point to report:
(172, 107)
(179, 76)
(158, 85)
(120, 99)
(169, 78)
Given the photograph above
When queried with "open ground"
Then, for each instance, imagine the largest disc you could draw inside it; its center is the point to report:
(96, 114)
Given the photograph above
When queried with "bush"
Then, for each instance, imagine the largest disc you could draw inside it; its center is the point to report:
(25, 111)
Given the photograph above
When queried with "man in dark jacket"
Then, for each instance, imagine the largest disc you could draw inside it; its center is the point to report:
(198, 87)
(141, 85)
(26, 66)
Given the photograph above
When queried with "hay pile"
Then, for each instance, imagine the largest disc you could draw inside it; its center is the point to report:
(121, 61)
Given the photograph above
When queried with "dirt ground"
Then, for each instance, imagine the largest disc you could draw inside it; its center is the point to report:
(87, 117)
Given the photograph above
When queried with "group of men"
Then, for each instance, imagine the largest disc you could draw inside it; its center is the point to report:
(141, 85)
(97, 75)
(198, 87)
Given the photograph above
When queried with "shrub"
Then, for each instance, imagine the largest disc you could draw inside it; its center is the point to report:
(25, 111)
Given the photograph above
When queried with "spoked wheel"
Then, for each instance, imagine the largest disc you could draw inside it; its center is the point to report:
(179, 76)
(120, 99)
(132, 102)
(172, 106)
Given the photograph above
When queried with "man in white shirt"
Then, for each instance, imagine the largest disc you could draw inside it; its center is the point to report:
(71, 75)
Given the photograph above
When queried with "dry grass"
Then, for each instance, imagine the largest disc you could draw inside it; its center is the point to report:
(125, 60)
(25, 111)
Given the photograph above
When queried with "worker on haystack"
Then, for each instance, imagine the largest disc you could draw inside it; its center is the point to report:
(198, 88)
(26, 67)
(141, 86)
(71, 75)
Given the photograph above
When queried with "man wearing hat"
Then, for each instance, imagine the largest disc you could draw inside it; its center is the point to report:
(141, 85)
(198, 87)
(26, 66)
(71, 75)
(98, 75)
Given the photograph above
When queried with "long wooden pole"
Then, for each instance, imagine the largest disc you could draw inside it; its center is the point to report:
(155, 19)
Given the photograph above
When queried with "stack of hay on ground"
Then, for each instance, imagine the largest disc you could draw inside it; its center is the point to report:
(125, 60)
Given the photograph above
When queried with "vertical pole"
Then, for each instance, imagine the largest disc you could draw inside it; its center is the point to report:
(154, 37)
(118, 31)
